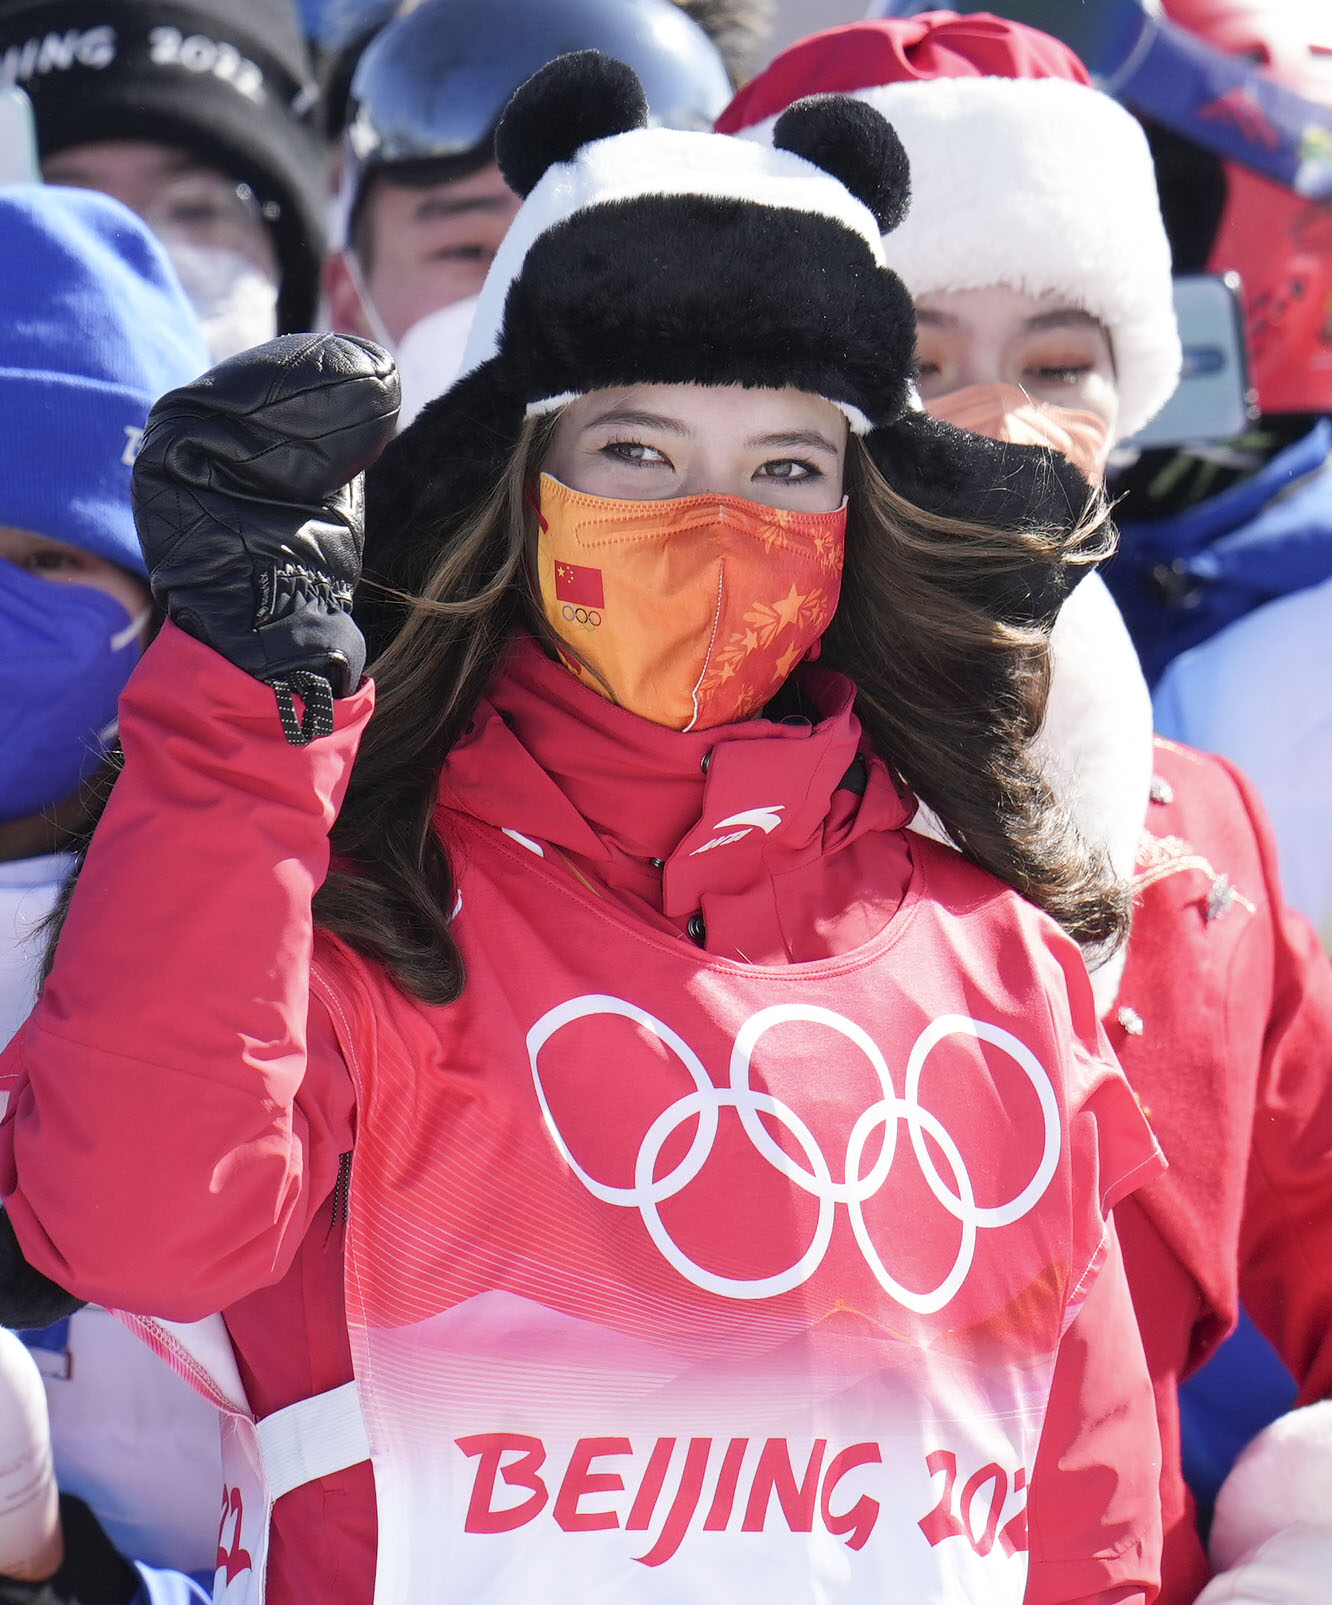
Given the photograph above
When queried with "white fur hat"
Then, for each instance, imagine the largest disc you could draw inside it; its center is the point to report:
(1047, 186)
(1039, 182)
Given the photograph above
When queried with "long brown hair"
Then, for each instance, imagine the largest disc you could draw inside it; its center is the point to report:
(951, 695)
(948, 694)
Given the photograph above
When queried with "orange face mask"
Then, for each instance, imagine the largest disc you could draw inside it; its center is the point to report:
(1003, 412)
(693, 611)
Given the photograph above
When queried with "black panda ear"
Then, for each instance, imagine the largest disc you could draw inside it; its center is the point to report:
(854, 143)
(572, 101)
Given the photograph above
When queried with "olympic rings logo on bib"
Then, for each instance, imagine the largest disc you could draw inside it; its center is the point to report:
(815, 1176)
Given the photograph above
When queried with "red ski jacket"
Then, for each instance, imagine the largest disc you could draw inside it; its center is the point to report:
(181, 1102)
(1224, 1028)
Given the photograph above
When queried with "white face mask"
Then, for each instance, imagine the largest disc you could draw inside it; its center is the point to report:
(430, 355)
(236, 301)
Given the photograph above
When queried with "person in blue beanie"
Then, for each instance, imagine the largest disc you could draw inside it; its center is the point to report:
(94, 326)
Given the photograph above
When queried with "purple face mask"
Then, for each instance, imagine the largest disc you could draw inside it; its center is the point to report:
(66, 652)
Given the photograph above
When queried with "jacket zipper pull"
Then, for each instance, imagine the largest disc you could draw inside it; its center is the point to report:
(341, 1191)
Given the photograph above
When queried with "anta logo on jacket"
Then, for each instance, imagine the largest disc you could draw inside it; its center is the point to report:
(764, 819)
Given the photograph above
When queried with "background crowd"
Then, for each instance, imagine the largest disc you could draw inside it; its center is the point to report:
(206, 175)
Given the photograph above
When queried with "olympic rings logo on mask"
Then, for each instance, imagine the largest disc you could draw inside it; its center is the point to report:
(581, 615)
(815, 1177)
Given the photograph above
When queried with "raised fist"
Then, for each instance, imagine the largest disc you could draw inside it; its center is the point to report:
(248, 500)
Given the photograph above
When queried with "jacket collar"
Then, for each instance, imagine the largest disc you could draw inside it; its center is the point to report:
(552, 763)
(1270, 518)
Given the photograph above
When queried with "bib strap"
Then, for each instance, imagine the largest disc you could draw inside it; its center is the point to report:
(313, 1438)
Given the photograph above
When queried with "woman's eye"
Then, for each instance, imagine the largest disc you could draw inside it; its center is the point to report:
(464, 253)
(1063, 373)
(926, 370)
(46, 561)
(196, 214)
(632, 451)
(788, 468)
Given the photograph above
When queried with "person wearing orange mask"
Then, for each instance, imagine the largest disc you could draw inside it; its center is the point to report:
(1040, 268)
(629, 1163)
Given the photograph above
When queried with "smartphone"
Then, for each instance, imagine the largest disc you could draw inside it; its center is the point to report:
(18, 139)
(1214, 399)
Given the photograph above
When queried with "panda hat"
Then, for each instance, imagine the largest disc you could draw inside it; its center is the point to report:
(656, 256)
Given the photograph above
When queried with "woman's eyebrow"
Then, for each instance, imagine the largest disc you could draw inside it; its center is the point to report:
(1064, 318)
(808, 439)
(630, 419)
(433, 207)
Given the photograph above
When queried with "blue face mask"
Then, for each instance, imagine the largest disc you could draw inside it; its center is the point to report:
(66, 652)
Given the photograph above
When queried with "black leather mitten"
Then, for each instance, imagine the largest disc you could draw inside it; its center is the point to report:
(248, 500)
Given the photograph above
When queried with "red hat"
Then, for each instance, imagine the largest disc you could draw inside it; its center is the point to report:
(1022, 173)
(933, 44)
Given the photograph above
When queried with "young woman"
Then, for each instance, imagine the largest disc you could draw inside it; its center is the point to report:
(1040, 268)
(634, 1167)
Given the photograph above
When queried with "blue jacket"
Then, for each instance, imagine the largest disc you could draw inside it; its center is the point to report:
(1180, 580)
(1243, 1388)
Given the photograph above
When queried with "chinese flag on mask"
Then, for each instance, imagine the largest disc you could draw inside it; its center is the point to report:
(581, 586)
